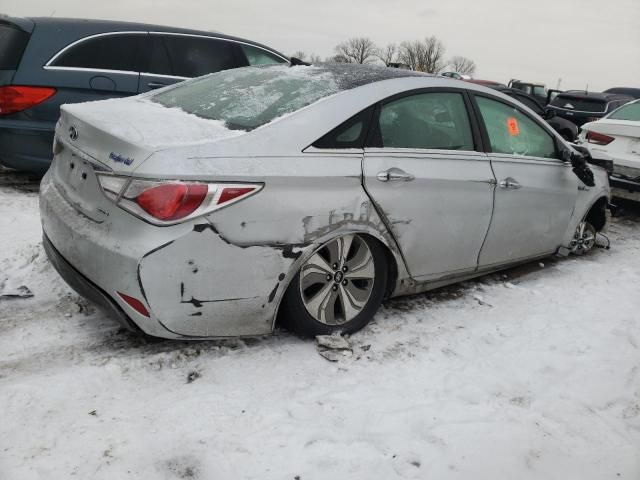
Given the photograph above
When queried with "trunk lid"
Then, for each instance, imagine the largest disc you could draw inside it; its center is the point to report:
(116, 136)
(122, 133)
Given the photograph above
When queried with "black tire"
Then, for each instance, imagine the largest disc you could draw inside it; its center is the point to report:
(295, 316)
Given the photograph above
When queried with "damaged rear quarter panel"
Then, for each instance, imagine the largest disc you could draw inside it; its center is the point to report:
(228, 276)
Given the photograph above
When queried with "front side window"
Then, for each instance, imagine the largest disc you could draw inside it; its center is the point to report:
(258, 56)
(630, 111)
(512, 132)
(436, 120)
(186, 56)
(108, 52)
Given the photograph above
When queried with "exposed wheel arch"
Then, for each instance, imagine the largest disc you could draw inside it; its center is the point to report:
(390, 257)
(597, 214)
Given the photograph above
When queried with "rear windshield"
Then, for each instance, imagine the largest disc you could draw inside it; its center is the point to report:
(630, 111)
(247, 98)
(579, 104)
(12, 44)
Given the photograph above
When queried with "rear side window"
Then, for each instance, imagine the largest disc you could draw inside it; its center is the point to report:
(630, 111)
(350, 134)
(579, 104)
(512, 132)
(427, 120)
(12, 43)
(108, 52)
(185, 56)
(258, 56)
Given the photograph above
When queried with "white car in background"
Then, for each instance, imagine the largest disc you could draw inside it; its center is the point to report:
(616, 138)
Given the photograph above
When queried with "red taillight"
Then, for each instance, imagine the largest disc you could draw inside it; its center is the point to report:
(599, 138)
(172, 201)
(14, 98)
(231, 193)
(134, 303)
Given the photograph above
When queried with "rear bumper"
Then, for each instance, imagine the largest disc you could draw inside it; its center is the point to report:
(627, 189)
(85, 287)
(26, 148)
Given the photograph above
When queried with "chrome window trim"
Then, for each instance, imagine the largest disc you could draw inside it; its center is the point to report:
(160, 75)
(87, 69)
(90, 37)
(212, 37)
(49, 66)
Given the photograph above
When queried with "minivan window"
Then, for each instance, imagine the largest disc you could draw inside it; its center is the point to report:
(12, 43)
(258, 56)
(105, 52)
(249, 97)
(189, 56)
(428, 120)
(512, 132)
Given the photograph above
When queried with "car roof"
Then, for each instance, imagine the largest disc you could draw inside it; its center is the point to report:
(486, 83)
(634, 92)
(593, 95)
(87, 26)
(349, 75)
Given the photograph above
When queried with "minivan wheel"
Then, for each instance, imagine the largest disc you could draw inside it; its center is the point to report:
(584, 238)
(338, 289)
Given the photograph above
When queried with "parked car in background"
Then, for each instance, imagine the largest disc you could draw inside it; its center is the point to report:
(632, 92)
(456, 75)
(538, 90)
(305, 193)
(566, 128)
(616, 138)
(581, 107)
(45, 62)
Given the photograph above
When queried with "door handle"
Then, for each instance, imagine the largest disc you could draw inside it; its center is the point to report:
(394, 175)
(509, 183)
(154, 85)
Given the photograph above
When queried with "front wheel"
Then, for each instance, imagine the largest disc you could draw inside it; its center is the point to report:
(584, 238)
(338, 289)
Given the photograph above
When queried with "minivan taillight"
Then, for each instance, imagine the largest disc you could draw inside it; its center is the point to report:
(172, 201)
(599, 138)
(16, 98)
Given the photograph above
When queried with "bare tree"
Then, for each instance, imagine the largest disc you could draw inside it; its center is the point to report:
(300, 54)
(463, 65)
(387, 54)
(423, 56)
(355, 50)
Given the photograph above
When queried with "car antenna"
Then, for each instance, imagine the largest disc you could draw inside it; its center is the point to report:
(296, 61)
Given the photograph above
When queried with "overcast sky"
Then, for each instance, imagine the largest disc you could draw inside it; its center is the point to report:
(592, 42)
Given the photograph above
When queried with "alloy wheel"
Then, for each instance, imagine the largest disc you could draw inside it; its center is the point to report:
(337, 281)
(584, 239)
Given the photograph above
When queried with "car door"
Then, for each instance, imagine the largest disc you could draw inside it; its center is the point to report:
(424, 171)
(536, 191)
(174, 57)
(97, 67)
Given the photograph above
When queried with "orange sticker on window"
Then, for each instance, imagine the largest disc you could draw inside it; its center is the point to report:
(512, 126)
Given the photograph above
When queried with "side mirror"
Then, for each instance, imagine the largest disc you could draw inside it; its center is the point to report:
(549, 113)
(580, 166)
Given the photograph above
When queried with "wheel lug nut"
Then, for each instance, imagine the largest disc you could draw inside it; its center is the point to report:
(329, 277)
(344, 269)
(344, 282)
(335, 266)
(334, 288)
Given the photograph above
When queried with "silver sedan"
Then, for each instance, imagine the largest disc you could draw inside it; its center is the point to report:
(304, 195)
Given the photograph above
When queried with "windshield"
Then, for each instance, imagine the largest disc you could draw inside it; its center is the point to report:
(630, 111)
(247, 98)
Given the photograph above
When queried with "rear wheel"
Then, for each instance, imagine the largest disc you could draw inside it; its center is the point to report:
(339, 288)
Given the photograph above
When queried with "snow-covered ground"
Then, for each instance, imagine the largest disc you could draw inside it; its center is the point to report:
(534, 373)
